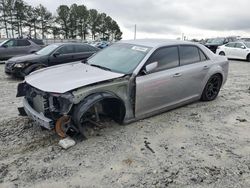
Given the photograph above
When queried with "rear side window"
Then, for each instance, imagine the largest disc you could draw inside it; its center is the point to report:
(68, 49)
(37, 41)
(203, 57)
(189, 55)
(81, 48)
(166, 57)
(23, 43)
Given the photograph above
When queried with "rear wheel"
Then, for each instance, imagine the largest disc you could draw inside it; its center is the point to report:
(222, 53)
(212, 88)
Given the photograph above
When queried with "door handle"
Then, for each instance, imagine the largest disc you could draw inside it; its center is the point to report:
(177, 75)
(206, 67)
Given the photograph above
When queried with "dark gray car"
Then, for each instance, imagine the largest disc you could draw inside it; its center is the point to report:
(53, 54)
(15, 47)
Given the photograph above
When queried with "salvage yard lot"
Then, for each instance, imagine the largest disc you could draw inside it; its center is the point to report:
(205, 144)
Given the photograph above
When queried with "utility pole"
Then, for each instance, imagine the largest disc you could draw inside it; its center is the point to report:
(135, 33)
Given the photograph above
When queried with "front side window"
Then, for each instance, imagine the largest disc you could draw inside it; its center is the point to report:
(48, 49)
(120, 57)
(68, 49)
(247, 44)
(189, 55)
(239, 45)
(230, 45)
(166, 57)
(11, 43)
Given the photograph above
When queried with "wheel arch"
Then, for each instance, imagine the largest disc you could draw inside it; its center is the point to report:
(116, 106)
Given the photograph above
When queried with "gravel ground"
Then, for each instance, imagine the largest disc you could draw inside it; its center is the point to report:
(204, 144)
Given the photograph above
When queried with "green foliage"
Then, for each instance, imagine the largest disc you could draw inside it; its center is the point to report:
(17, 18)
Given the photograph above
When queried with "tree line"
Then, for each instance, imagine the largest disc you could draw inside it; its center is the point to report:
(17, 18)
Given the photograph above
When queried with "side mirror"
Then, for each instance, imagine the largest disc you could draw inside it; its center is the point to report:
(56, 54)
(150, 67)
(243, 47)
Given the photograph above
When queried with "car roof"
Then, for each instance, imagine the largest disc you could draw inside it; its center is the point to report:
(155, 42)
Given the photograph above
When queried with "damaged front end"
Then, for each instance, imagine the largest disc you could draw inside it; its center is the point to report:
(49, 110)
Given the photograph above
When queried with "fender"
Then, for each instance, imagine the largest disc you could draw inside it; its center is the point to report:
(31, 68)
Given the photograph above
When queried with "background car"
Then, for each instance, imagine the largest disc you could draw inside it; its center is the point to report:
(213, 43)
(15, 47)
(127, 81)
(235, 50)
(53, 54)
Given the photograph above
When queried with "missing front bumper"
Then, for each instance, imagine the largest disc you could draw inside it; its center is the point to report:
(39, 118)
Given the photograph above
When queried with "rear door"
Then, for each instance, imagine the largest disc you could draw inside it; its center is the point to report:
(240, 51)
(64, 54)
(23, 46)
(194, 65)
(82, 52)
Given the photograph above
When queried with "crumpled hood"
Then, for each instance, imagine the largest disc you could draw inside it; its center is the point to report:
(25, 58)
(66, 77)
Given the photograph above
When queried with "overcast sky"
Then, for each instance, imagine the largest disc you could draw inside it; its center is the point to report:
(170, 18)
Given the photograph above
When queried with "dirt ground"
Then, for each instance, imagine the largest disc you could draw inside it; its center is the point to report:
(204, 144)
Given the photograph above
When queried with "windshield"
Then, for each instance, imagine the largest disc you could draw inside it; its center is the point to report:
(120, 57)
(47, 50)
(216, 41)
(247, 44)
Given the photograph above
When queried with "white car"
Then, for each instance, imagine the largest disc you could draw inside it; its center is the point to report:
(235, 50)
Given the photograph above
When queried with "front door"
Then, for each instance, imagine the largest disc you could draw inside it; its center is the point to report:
(65, 54)
(158, 89)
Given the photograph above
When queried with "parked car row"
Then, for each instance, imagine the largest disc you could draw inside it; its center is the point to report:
(127, 81)
(235, 50)
(51, 55)
(231, 47)
(14, 47)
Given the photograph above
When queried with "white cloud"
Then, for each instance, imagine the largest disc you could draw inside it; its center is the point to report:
(168, 18)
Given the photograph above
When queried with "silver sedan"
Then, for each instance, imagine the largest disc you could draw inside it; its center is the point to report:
(127, 81)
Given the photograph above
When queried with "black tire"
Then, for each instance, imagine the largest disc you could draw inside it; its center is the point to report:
(212, 88)
(248, 57)
(222, 53)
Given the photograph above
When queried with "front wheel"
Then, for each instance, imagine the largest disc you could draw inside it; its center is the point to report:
(212, 88)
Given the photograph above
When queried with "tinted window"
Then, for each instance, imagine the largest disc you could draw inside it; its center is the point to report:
(231, 45)
(189, 55)
(81, 48)
(203, 57)
(23, 43)
(68, 49)
(37, 41)
(166, 57)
